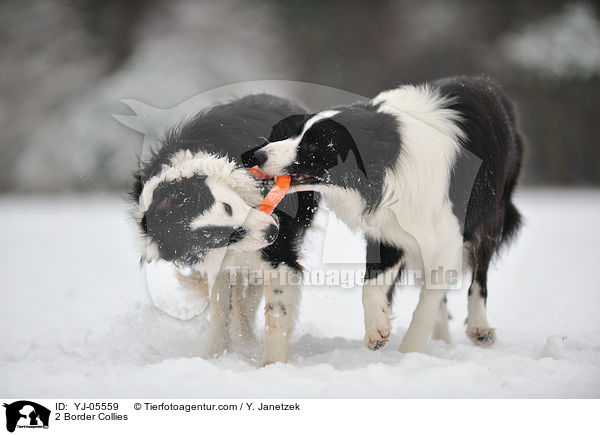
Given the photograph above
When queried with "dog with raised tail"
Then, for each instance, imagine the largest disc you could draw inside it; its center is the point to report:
(427, 172)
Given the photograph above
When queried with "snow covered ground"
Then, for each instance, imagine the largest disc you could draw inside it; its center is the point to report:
(76, 320)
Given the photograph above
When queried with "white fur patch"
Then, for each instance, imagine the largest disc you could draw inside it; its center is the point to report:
(415, 211)
(430, 144)
(217, 215)
(477, 317)
(281, 154)
(318, 117)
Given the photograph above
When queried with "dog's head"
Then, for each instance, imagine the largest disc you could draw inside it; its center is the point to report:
(310, 148)
(350, 148)
(199, 203)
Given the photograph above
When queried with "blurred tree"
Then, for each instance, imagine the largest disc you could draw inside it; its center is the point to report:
(65, 65)
(112, 25)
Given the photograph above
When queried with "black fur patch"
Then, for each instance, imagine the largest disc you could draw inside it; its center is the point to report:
(380, 257)
(285, 249)
(174, 206)
(225, 130)
(492, 136)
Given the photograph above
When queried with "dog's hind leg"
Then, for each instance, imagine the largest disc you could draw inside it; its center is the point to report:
(282, 296)
(478, 328)
(382, 271)
(481, 249)
(421, 325)
(442, 268)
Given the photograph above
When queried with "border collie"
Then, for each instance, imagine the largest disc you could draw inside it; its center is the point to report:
(194, 208)
(396, 169)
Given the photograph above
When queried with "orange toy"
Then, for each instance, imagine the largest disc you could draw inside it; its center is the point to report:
(274, 197)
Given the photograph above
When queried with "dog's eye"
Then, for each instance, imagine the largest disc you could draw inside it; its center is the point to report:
(228, 209)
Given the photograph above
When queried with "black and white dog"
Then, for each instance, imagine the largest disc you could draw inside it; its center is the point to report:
(195, 208)
(398, 169)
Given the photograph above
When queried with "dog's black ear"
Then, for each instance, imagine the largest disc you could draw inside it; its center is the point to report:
(346, 143)
(359, 160)
(289, 127)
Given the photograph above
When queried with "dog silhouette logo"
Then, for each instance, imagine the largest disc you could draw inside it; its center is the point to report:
(26, 414)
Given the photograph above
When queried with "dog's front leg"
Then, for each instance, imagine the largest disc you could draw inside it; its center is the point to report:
(383, 267)
(219, 340)
(441, 329)
(282, 295)
(422, 322)
(438, 252)
(440, 275)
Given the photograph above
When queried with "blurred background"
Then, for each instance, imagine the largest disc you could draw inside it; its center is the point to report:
(64, 66)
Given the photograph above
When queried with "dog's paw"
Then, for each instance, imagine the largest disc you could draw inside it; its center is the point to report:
(415, 340)
(276, 352)
(482, 336)
(377, 334)
(268, 361)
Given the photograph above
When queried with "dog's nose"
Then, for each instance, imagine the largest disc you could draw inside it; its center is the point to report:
(260, 156)
(271, 234)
